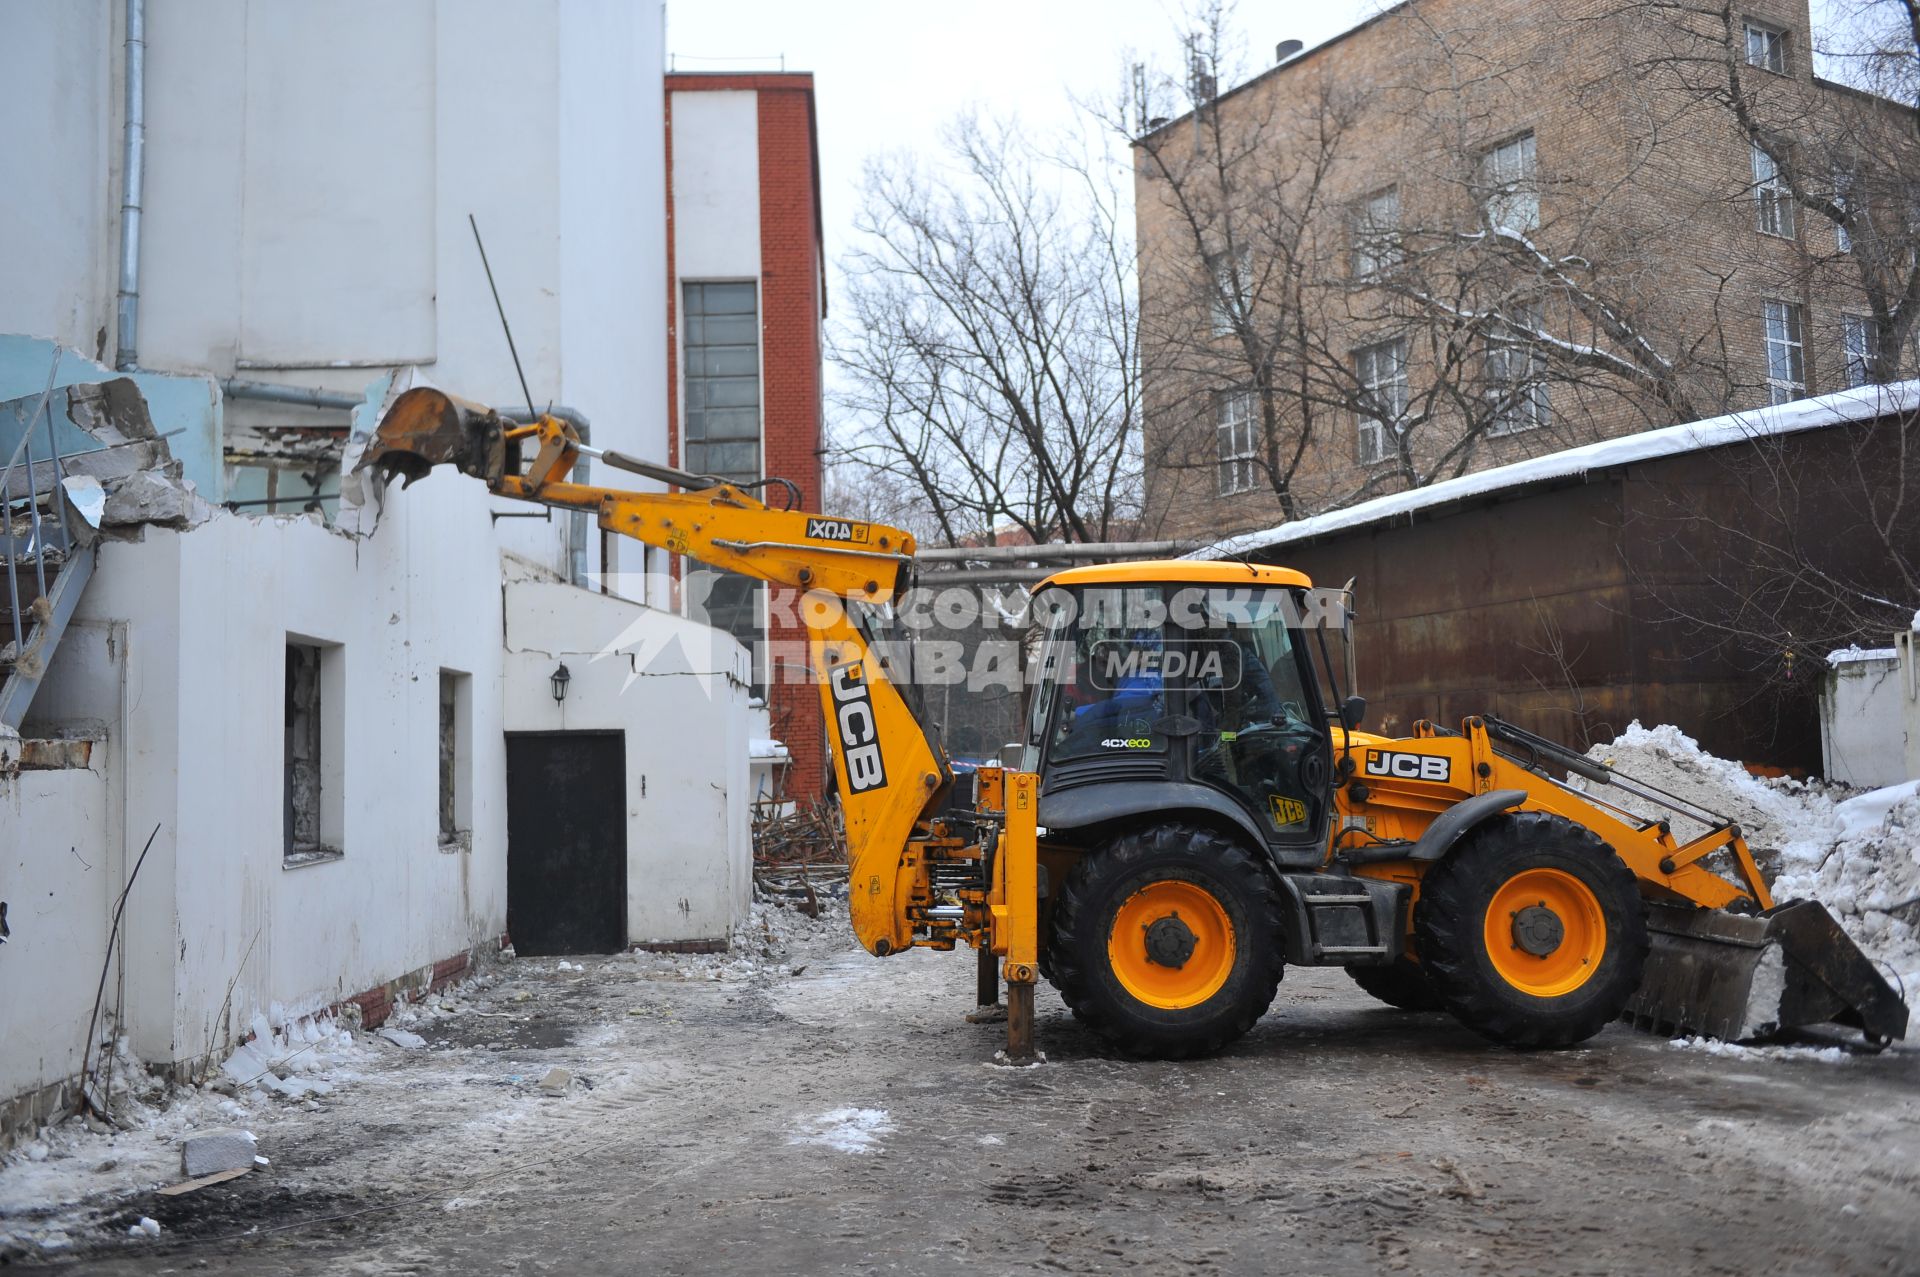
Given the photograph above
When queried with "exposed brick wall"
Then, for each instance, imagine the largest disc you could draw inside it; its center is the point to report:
(792, 304)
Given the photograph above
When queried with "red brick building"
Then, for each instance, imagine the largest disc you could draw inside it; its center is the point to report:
(746, 297)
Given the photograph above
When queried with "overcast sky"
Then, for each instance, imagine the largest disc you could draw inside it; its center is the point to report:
(889, 73)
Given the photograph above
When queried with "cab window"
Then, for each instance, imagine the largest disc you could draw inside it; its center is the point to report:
(1108, 677)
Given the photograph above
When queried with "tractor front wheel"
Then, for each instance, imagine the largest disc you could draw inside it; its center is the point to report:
(1166, 941)
(1531, 931)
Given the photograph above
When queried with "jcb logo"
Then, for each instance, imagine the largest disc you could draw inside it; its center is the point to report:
(859, 734)
(1409, 766)
(836, 530)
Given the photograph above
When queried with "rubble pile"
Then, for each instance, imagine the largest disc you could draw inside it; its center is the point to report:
(799, 853)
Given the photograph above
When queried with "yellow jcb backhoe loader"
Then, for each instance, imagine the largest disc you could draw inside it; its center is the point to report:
(1197, 806)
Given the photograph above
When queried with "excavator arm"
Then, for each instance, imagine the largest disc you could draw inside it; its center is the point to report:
(890, 769)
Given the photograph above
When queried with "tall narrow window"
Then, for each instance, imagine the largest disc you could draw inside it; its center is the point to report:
(720, 333)
(1230, 277)
(1511, 191)
(1786, 353)
(1766, 48)
(314, 720)
(1857, 339)
(456, 761)
(1773, 203)
(1381, 371)
(1843, 196)
(1516, 379)
(1376, 234)
(1233, 442)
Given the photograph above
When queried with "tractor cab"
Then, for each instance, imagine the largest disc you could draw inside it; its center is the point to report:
(1203, 687)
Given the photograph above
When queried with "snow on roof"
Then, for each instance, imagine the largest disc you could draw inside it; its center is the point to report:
(766, 748)
(1848, 655)
(1863, 403)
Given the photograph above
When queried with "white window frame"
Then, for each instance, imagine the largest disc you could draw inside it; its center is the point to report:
(1509, 177)
(1381, 371)
(1376, 234)
(1516, 404)
(1773, 204)
(1766, 47)
(1857, 343)
(1784, 329)
(1234, 448)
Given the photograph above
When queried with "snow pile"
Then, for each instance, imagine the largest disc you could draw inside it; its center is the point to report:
(1859, 856)
(1771, 813)
(300, 1060)
(1853, 652)
(1733, 1050)
(1869, 876)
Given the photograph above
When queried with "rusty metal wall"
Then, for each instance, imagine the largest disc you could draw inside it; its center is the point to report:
(1574, 609)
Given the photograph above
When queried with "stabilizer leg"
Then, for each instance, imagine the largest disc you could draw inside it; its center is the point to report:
(1020, 1021)
(988, 1010)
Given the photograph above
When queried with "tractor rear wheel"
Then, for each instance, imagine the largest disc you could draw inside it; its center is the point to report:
(1531, 931)
(1166, 941)
(1402, 983)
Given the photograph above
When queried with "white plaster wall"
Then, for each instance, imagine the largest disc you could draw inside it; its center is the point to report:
(208, 614)
(57, 64)
(716, 185)
(1869, 726)
(678, 691)
(56, 879)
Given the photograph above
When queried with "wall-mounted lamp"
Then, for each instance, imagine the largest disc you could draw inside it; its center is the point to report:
(560, 680)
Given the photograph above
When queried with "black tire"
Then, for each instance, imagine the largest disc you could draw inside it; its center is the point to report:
(1450, 927)
(1083, 923)
(1402, 984)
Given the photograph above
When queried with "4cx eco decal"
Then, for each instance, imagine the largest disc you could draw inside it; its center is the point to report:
(836, 530)
(1382, 762)
(859, 733)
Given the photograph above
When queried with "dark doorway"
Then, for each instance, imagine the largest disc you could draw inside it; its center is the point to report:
(566, 842)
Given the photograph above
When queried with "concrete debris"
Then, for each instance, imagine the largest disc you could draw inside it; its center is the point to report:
(402, 1038)
(210, 1152)
(556, 1080)
(151, 496)
(145, 1228)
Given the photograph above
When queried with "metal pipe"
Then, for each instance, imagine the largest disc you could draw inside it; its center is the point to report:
(1037, 553)
(583, 474)
(304, 396)
(983, 576)
(133, 173)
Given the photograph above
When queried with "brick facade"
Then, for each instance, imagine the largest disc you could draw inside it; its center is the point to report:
(792, 306)
(1651, 185)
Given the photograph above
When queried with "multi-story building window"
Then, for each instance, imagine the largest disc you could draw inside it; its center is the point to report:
(1773, 203)
(720, 335)
(1786, 352)
(1858, 341)
(1234, 442)
(1843, 196)
(1376, 234)
(1229, 275)
(1510, 191)
(1766, 47)
(1381, 371)
(1516, 380)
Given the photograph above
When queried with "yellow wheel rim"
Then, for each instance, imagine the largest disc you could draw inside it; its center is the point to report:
(1545, 932)
(1171, 945)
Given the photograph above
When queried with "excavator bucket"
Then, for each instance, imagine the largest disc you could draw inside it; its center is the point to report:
(427, 427)
(1739, 977)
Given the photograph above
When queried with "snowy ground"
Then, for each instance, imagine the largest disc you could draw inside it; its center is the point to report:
(802, 1107)
(797, 1106)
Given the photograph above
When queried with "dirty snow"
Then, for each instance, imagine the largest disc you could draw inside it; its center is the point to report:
(849, 1130)
(1856, 853)
(1854, 652)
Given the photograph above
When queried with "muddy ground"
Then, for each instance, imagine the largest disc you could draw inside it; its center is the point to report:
(826, 1111)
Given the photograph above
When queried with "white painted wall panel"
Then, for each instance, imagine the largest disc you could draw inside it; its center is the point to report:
(716, 185)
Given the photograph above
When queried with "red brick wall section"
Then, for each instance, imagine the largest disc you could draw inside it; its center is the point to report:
(792, 304)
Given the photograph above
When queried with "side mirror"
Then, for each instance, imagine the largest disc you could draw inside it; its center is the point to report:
(1353, 712)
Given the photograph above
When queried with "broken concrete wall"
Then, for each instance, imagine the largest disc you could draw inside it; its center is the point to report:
(678, 691)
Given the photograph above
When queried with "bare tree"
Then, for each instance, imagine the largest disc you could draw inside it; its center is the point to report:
(989, 358)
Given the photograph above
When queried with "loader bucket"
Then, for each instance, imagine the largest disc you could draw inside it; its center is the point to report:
(1739, 977)
(426, 427)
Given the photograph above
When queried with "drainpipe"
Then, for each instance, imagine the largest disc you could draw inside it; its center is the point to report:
(132, 185)
(235, 388)
(582, 474)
